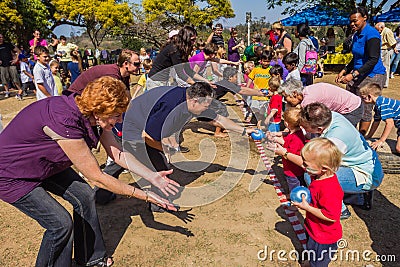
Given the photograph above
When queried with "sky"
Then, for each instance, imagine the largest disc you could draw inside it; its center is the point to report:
(256, 7)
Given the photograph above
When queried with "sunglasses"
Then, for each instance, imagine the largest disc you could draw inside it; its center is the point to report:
(136, 63)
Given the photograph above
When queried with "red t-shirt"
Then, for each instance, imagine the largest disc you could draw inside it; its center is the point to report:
(326, 195)
(294, 142)
(276, 103)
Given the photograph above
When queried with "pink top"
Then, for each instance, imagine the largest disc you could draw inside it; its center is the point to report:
(246, 79)
(332, 96)
(42, 42)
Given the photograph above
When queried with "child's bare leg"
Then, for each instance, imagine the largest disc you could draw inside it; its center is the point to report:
(398, 144)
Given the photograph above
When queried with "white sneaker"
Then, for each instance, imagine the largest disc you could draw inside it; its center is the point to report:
(7, 95)
(391, 76)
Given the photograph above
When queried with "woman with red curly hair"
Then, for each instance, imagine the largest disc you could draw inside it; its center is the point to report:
(37, 150)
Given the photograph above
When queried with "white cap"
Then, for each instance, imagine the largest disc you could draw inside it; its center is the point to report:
(172, 33)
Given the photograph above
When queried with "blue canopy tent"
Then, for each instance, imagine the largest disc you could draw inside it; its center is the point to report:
(390, 16)
(318, 16)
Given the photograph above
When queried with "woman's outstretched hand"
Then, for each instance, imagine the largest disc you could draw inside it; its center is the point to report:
(159, 201)
(166, 185)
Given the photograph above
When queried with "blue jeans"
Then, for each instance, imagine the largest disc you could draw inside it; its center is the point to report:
(347, 181)
(306, 79)
(324, 253)
(61, 230)
(395, 62)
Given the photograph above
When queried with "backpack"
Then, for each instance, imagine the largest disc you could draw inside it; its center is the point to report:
(249, 51)
(310, 65)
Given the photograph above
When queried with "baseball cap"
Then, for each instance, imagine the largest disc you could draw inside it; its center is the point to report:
(172, 33)
(21, 56)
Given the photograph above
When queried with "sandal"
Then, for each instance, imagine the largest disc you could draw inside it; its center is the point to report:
(106, 262)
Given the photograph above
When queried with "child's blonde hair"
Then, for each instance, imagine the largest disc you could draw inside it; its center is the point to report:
(274, 83)
(327, 153)
(147, 64)
(292, 116)
(54, 62)
(371, 89)
(248, 64)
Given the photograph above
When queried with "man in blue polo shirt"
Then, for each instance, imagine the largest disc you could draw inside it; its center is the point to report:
(162, 112)
(386, 109)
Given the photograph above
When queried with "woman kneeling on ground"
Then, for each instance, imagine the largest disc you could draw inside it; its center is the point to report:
(37, 150)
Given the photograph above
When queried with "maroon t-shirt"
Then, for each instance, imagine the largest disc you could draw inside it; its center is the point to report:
(94, 73)
(28, 155)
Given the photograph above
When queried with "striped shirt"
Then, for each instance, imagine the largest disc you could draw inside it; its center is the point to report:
(387, 108)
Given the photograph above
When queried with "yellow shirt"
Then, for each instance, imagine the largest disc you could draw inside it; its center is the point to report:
(142, 81)
(261, 77)
(57, 80)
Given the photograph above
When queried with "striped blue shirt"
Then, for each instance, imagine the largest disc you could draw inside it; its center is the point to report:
(387, 108)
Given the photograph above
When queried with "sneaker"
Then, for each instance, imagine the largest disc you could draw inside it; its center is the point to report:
(345, 214)
(24, 94)
(7, 95)
(19, 97)
(391, 76)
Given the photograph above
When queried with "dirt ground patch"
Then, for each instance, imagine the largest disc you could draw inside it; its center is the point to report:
(228, 231)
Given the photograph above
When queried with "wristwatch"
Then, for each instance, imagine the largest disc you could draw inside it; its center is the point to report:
(354, 74)
(285, 155)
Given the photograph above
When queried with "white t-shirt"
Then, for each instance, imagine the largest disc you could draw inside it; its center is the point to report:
(294, 74)
(25, 67)
(65, 51)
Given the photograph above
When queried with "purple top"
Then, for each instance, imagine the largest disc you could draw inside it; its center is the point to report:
(280, 63)
(94, 73)
(198, 59)
(233, 55)
(28, 155)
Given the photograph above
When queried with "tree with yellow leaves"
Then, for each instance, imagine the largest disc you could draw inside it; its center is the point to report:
(98, 17)
(187, 12)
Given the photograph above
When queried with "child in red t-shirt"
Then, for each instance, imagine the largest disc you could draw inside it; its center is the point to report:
(293, 142)
(274, 111)
(321, 159)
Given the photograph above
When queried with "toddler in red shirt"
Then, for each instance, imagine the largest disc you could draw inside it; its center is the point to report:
(274, 111)
(321, 159)
(293, 141)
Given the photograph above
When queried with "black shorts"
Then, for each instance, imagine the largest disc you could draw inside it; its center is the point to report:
(28, 86)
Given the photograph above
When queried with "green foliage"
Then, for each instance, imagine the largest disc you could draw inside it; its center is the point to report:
(343, 5)
(131, 42)
(187, 12)
(99, 17)
(19, 18)
(150, 33)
